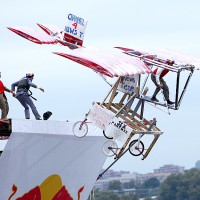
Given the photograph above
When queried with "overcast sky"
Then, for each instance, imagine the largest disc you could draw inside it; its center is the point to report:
(71, 88)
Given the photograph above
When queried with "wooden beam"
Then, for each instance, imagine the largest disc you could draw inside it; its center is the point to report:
(125, 144)
(122, 99)
(151, 146)
(113, 93)
(111, 90)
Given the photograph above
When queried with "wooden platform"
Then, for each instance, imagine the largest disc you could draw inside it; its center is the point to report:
(140, 126)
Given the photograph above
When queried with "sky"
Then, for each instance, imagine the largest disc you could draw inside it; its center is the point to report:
(71, 88)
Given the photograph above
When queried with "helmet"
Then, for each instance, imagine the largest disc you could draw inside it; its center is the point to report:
(29, 75)
(170, 62)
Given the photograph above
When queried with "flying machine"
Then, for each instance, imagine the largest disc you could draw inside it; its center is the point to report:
(121, 114)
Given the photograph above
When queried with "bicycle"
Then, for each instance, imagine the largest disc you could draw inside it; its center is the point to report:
(110, 148)
(80, 128)
(106, 136)
(119, 125)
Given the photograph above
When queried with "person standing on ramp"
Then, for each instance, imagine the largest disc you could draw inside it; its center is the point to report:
(3, 100)
(23, 96)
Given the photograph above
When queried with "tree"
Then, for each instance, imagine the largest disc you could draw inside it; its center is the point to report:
(129, 185)
(151, 183)
(181, 186)
(115, 185)
(129, 197)
(106, 195)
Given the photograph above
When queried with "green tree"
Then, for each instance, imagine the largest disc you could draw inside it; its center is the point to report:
(129, 185)
(151, 183)
(129, 197)
(106, 195)
(184, 186)
(115, 185)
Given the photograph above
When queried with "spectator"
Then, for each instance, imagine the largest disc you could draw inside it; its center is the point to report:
(3, 100)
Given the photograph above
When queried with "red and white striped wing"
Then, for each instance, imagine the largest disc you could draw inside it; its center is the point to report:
(109, 63)
(50, 29)
(179, 58)
(33, 35)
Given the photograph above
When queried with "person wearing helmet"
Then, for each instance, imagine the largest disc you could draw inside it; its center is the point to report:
(157, 78)
(23, 97)
(3, 100)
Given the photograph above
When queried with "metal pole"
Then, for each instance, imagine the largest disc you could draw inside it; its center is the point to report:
(185, 87)
(177, 89)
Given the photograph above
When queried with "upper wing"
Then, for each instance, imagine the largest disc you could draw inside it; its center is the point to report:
(161, 55)
(51, 35)
(34, 36)
(50, 29)
(109, 63)
(181, 59)
(72, 35)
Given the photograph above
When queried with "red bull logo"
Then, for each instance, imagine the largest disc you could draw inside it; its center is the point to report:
(50, 189)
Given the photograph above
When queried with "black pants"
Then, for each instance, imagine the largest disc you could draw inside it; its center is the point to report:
(163, 83)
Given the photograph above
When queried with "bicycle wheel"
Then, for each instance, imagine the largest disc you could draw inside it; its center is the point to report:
(136, 149)
(80, 129)
(104, 133)
(110, 148)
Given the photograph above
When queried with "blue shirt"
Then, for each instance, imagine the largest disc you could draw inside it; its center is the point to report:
(29, 82)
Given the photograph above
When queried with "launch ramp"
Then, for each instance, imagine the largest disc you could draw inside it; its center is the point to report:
(43, 160)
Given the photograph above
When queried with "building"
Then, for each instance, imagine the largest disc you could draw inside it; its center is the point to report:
(103, 182)
(125, 177)
(173, 169)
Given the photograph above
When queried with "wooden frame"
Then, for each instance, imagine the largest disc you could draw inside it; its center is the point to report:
(136, 121)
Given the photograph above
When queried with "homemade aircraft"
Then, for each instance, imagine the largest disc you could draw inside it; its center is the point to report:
(121, 114)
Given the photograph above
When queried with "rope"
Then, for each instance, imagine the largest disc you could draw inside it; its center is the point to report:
(30, 95)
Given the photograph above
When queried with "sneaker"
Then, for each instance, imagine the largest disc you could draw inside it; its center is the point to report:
(38, 119)
(170, 102)
(154, 99)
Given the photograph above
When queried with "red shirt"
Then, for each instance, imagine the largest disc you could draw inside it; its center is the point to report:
(1, 87)
(160, 72)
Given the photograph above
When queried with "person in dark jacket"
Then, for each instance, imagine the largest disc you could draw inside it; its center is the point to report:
(23, 96)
